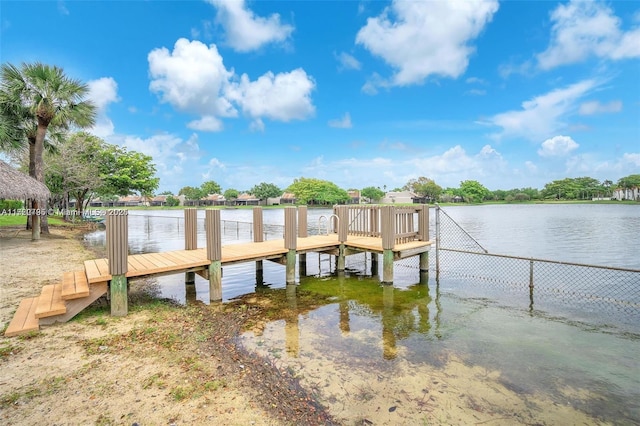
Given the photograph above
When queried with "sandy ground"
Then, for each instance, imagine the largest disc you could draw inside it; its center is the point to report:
(92, 370)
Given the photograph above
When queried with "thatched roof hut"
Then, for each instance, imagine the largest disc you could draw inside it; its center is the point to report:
(15, 185)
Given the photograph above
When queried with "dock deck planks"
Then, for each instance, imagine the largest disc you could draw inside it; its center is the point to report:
(97, 270)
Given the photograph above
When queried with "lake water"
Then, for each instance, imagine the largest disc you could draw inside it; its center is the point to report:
(451, 350)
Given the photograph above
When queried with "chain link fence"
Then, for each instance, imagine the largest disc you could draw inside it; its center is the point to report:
(590, 289)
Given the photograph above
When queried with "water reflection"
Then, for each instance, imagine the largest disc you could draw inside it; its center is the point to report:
(400, 312)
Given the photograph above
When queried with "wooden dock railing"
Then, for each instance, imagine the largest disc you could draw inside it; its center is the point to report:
(397, 227)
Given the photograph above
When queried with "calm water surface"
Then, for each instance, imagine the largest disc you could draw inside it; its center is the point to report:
(369, 345)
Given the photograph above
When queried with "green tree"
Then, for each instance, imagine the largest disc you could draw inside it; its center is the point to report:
(126, 172)
(172, 201)
(210, 187)
(52, 99)
(166, 193)
(628, 183)
(191, 193)
(317, 191)
(231, 194)
(265, 190)
(71, 170)
(372, 193)
(473, 191)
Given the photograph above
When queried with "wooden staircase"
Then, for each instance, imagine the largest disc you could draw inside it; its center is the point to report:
(56, 303)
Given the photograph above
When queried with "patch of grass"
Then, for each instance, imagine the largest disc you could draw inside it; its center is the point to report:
(9, 399)
(103, 420)
(214, 385)
(8, 349)
(30, 335)
(47, 386)
(180, 393)
(154, 380)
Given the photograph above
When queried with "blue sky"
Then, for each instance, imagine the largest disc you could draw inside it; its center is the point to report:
(512, 94)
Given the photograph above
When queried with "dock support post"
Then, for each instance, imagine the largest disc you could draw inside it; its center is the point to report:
(190, 239)
(302, 233)
(290, 242)
(343, 227)
(388, 242)
(214, 253)
(117, 229)
(374, 264)
(423, 234)
(258, 237)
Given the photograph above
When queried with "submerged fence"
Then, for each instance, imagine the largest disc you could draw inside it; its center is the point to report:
(459, 254)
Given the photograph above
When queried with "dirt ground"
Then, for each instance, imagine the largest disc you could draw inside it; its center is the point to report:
(162, 364)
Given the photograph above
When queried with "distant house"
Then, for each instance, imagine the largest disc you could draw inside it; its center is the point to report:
(354, 196)
(132, 201)
(398, 197)
(288, 198)
(159, 200)
(273, 201)
(214, 200)
(246, 199)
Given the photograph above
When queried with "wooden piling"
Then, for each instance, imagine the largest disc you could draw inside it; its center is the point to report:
(214, 253)
(190, 239)
(190, 229)
(387, 214)
(117, 231)
(258, 234)
(343, 228)
(290, 242)
(303, 232)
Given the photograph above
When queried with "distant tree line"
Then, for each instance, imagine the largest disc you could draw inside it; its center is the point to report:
(318, 191)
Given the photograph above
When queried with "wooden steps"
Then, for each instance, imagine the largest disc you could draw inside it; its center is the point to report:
(74, 285)
(56, 303)
(24, 320)
(50, 302)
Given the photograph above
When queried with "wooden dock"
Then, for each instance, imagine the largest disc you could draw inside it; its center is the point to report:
(78, 289)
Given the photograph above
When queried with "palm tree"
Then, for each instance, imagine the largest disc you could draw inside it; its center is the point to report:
(50, 98)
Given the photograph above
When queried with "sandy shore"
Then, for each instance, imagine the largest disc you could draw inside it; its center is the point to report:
(162, 364)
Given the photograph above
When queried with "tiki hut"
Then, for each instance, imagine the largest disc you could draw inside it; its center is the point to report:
(15, 185)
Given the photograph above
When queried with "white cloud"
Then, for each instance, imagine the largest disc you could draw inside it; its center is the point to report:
(582, 29)
(62, 8)
(542, 116)
(244, 30)
(557, 146)
(476, 92)
(284, 96)
(207, 123)
(595, 107)
(417, 44)
(475, 80)
(632, 159)
(341, 123)
(347, 61)
(193, 79)
(257, 125)
(102, 92)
